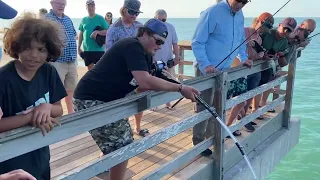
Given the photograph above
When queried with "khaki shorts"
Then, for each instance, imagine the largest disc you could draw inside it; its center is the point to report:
(68, 74)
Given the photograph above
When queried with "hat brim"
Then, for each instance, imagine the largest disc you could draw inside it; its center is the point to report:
(7, 12)
(287, 26)
(135, 10)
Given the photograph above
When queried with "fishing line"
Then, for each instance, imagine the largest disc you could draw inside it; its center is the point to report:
(265, 22)
(168, 77)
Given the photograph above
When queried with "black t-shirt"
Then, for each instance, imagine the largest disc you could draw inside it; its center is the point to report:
(111, 77)
(17, 95)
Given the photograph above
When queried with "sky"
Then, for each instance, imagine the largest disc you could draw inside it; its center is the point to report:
(176, 8)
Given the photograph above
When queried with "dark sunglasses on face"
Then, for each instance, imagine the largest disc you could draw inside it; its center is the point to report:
(132, 12)
(243, 1)
(109, 15)
(158, 41)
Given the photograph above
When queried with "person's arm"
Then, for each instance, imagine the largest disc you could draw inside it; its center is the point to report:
(80, 41)
(206, 25)
(110, 39)
(175, 46)
(13, 122)
(242, 54)
(148, 82)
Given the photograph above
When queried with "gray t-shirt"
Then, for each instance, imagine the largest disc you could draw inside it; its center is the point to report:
(166, 53)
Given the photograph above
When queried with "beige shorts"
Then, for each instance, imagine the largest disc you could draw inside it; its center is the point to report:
(68, 74)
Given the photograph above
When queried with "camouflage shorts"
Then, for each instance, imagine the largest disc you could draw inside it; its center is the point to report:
(237, 87)
(109, 137)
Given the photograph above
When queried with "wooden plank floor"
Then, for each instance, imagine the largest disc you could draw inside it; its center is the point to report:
(79, 150)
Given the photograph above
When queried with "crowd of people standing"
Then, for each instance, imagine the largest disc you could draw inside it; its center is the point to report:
(118, 56)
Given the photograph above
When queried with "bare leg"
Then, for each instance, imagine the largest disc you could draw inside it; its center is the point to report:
(68, 101)
(90, 66)
(234, 112)
(137, 122)
(265, 97)
(117, 172)
(256, 103)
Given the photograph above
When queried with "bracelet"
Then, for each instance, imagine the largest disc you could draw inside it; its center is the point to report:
(180, 88)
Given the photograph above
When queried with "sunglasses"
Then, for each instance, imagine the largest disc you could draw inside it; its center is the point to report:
(109, 15)
(158, 41)
(243, 1)
(132, 12)
(267, 24)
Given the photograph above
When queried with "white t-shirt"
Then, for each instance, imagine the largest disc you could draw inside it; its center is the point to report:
(166, 53)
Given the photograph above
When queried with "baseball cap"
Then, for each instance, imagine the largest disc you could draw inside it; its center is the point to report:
(158, 27)
(133, 5)
(7, 12)
(90, 2)
(289, 23)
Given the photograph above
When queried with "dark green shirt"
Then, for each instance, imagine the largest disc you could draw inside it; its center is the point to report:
(269, 41)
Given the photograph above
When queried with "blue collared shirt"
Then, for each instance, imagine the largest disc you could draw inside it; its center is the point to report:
(218, 33)
(69, 53)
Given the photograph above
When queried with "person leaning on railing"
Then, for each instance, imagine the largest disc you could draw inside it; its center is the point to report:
(261, 24)
(124, 68)
(276, 45)
(31, 90)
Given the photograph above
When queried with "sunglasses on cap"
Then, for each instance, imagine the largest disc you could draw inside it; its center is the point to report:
(243, 1)
(158, 41)
(132, 12)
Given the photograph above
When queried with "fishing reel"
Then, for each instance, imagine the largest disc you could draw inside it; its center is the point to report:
(157, 68)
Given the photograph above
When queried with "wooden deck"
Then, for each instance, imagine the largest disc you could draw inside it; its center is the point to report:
(79, 150)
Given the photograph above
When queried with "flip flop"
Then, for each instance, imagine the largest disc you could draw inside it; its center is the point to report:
(236, 133)
(143, 132)
(170, 108)
(272, 111)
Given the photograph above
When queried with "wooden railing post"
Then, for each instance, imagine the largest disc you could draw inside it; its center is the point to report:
(219, 104)
(289, 91)
(181, 65)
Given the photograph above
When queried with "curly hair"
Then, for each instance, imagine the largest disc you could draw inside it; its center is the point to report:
(27, 28)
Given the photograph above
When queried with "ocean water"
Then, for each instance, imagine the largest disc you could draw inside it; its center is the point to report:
(303, 162)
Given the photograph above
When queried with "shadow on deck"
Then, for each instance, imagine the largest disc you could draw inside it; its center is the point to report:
(80, 150)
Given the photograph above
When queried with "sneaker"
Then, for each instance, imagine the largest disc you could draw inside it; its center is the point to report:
(248, 127)
(206, 152)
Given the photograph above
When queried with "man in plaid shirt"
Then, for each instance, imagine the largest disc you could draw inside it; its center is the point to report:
(66, 65)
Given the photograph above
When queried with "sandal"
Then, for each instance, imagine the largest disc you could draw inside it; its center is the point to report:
(236, 133)
(260, 117)
(272, 111)
(143, 132)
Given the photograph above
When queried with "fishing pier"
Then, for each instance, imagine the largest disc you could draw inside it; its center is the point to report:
(168, 153)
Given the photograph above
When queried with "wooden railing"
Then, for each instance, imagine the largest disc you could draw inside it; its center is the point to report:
(26, 139)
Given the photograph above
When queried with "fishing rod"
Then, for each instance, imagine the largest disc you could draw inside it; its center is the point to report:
(263, 24)
(159, 72)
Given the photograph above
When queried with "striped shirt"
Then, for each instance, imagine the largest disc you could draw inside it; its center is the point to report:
(69, 53)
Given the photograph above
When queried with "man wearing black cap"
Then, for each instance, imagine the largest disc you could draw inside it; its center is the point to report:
(125, 67)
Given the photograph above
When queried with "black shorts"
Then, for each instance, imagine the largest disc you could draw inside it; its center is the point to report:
(253, 81)
(91, 57)
(266, 76)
